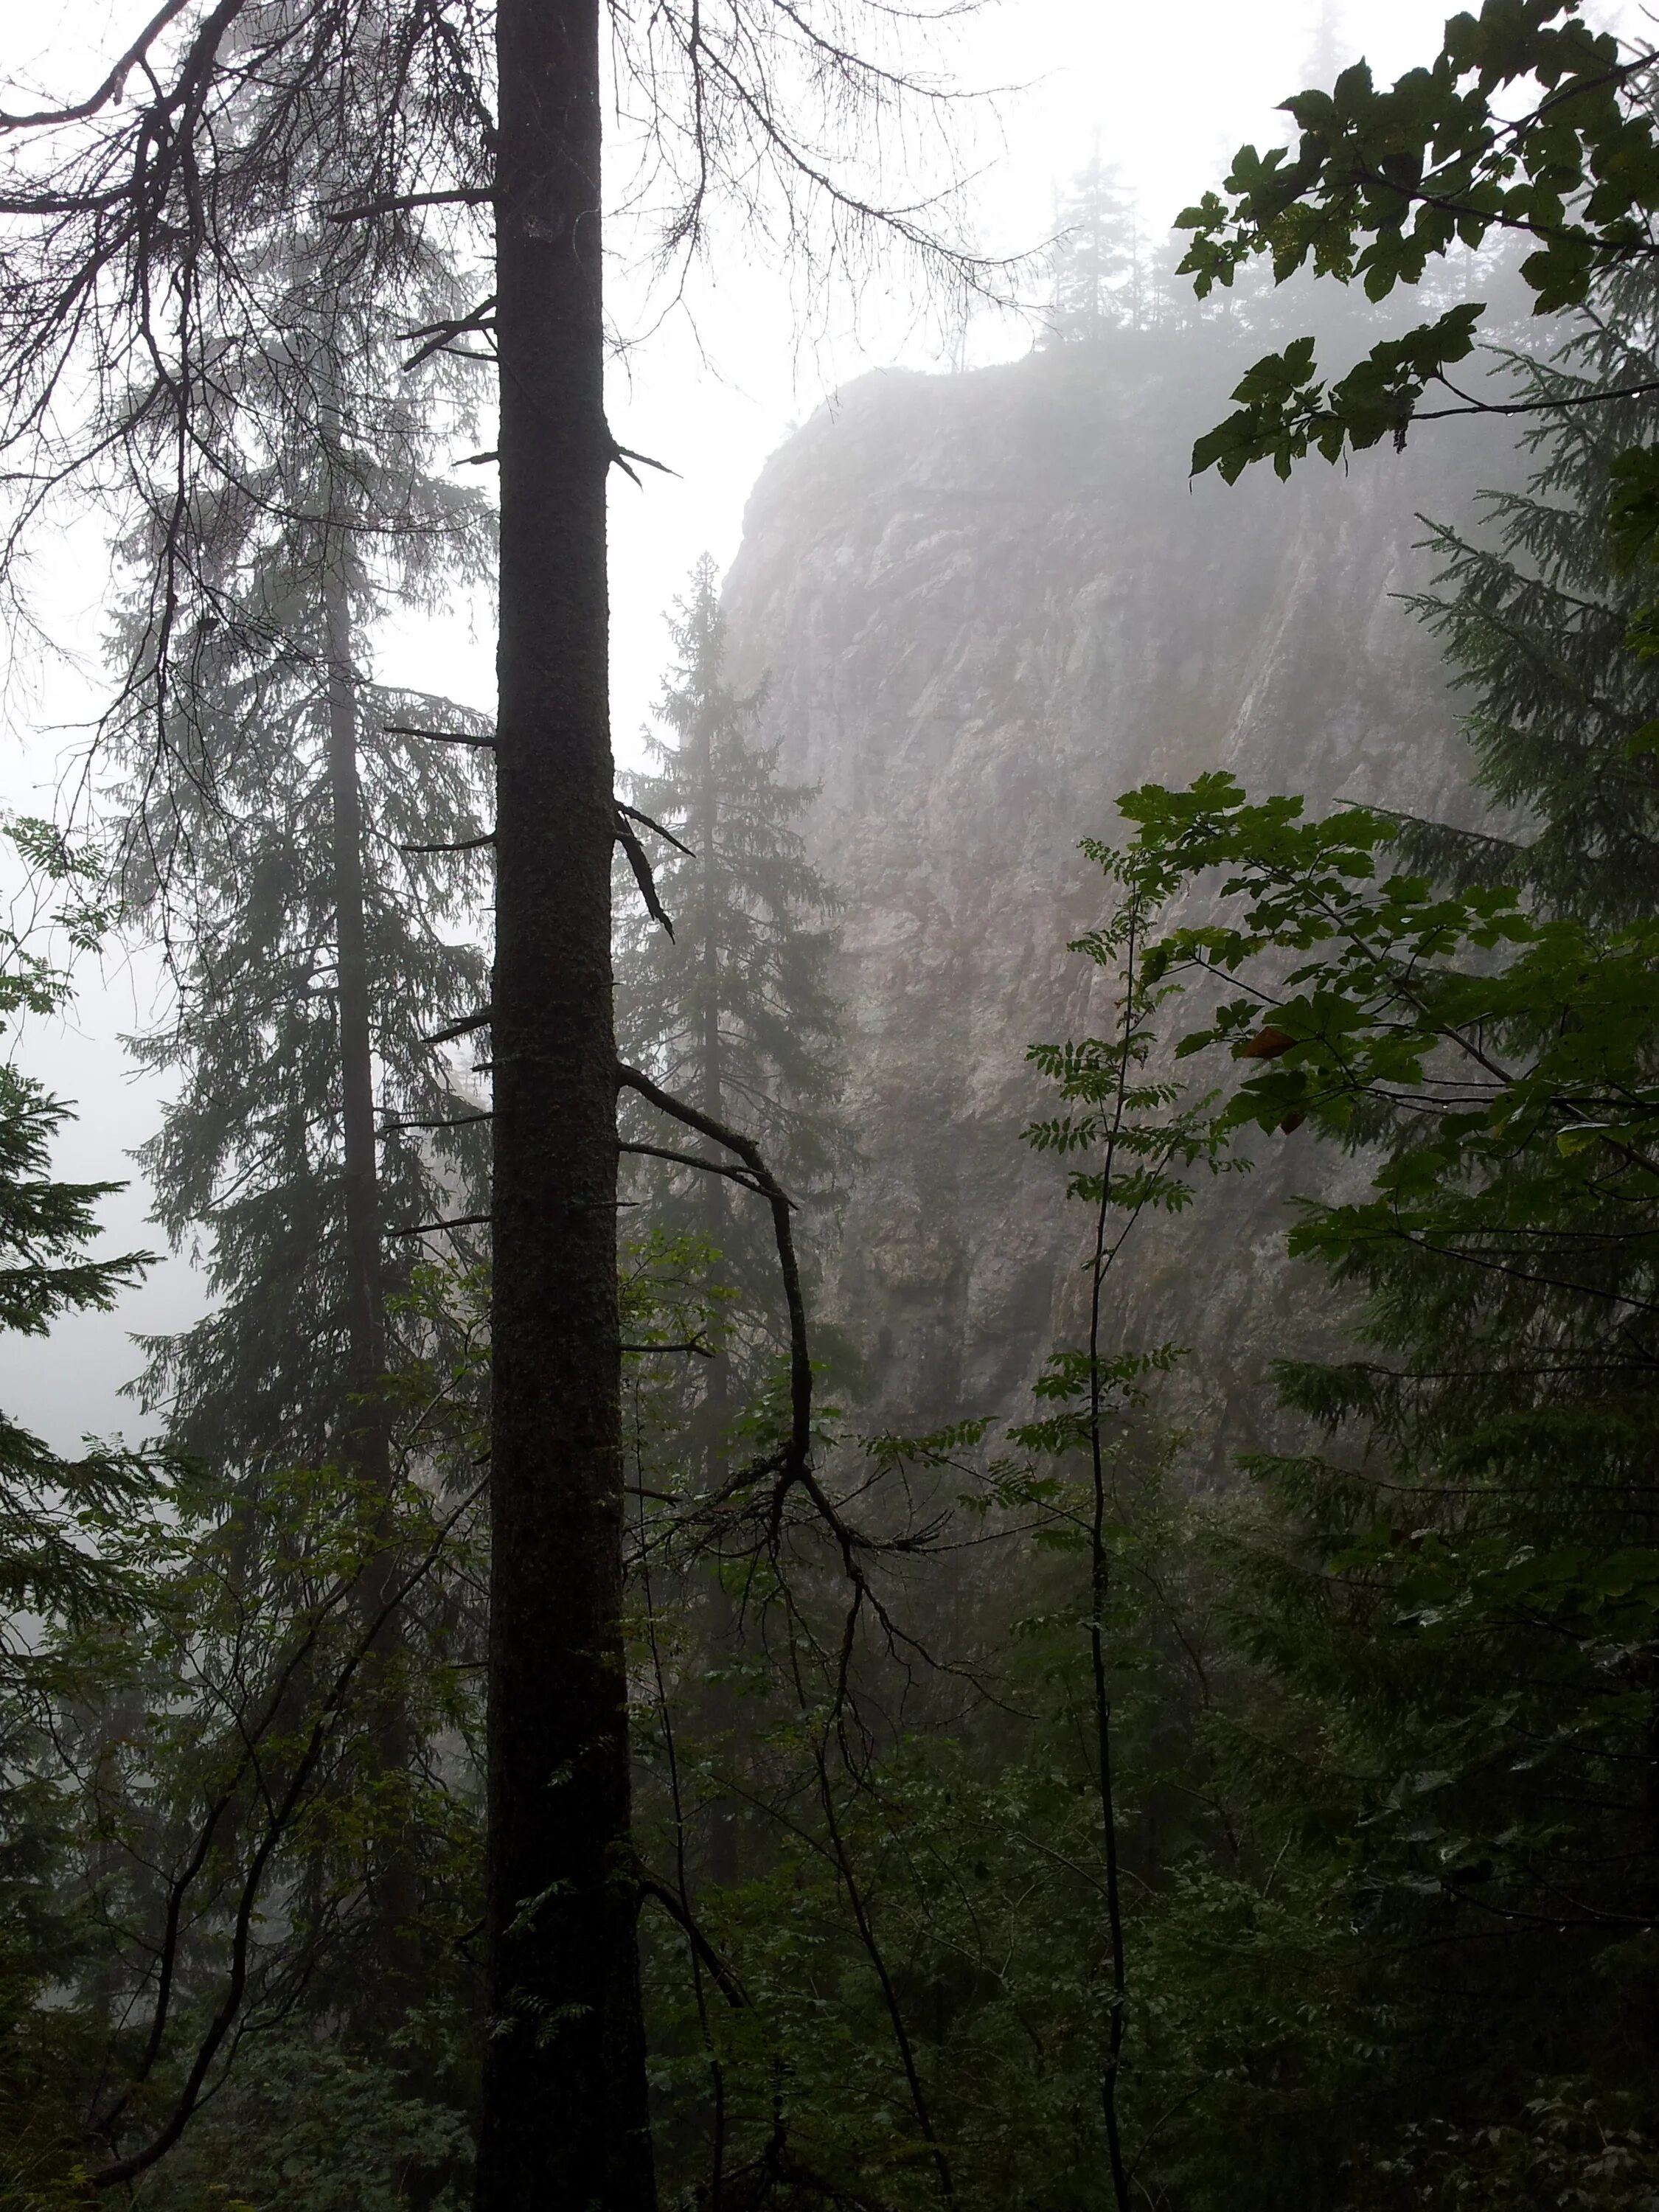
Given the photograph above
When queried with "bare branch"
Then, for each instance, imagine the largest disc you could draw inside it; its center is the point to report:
(461, 845)
(798, 1453)
(460, 1029)
(434, 1121)
(667, 835)
(640, 862)
(690, 1160)
(136, 56)
(440, 737)
(395, 203)
(622, 455)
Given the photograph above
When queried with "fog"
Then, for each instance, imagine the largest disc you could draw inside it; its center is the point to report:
(709, 387)
(923, 1476)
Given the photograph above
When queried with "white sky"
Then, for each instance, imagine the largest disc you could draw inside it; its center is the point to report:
(1171, 92)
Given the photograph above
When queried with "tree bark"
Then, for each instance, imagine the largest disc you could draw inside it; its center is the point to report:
(564, 2118)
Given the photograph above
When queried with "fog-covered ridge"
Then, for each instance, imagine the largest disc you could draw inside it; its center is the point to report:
(989, 603)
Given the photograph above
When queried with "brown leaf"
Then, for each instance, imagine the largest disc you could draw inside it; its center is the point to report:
(1267, 1044)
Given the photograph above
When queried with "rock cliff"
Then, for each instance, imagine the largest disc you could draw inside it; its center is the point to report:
(988, 603)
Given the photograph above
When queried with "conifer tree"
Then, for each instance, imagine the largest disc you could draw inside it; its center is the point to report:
(734, 1011)
(314, 864)
(47, 1269)
(1533, 616)
(72, 1536)
(1099, 267)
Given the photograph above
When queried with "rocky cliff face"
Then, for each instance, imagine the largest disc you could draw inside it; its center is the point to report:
(989, 603)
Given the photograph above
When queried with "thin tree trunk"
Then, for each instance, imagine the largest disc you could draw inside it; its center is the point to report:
(711, 1073)
(564, 2118)
(718, 1712)
(366, 1303)
(366, 1425)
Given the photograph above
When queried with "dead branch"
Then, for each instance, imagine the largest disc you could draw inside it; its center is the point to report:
(640, 862)
(434, 1122)
(433, 1228)
(725, 1977)
(667, 835)
(439, 736)
(465, 1028)
(396, 203)
(440, 334)
(622, 455)
(798, 1455)
(136, 57)
(690, 1160)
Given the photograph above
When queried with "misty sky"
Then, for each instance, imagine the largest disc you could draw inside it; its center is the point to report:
(1168, 91)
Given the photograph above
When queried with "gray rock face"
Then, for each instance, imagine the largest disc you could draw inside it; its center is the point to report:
(989, 604)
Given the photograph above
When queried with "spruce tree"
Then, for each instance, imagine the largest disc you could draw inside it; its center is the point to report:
(733, 1011)
(314, 865)
(47, 1269)
(73, 1540)
(1533, 615)
(1098, 262)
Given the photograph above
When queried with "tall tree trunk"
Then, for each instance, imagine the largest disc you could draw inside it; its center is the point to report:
(717, 1713)
(366, 1426)
(563, 2122)
(711, 1072)
(366, 1423)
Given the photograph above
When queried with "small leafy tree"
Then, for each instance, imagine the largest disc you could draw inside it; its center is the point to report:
(1463, 1600)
